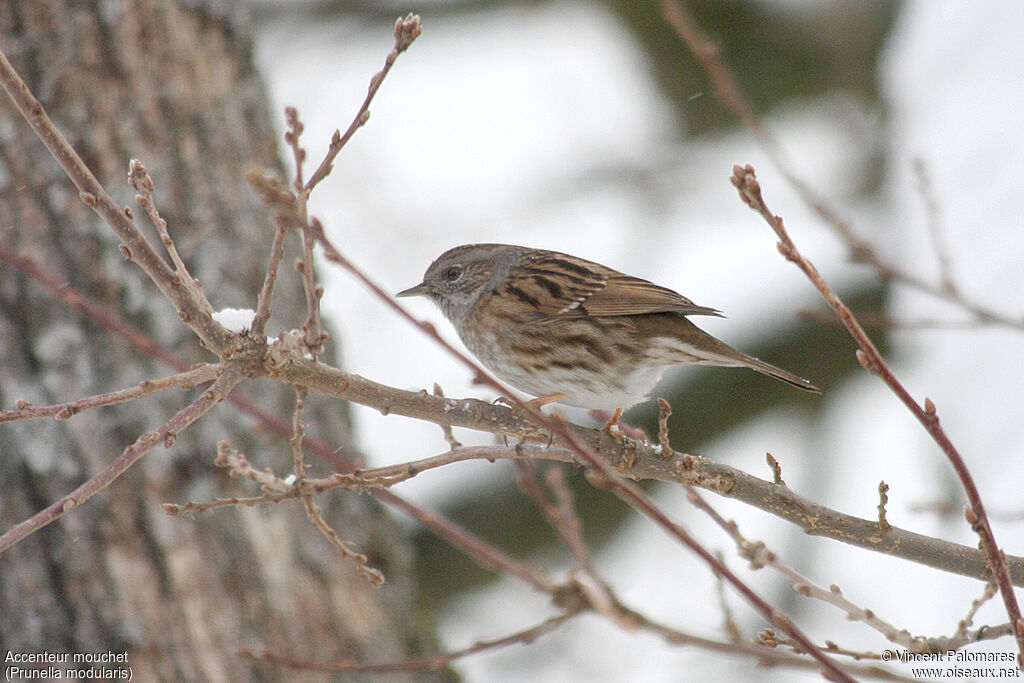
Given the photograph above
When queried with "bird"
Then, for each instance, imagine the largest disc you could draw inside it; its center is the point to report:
(564, 329)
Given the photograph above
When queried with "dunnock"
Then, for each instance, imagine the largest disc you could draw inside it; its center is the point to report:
(562, 328)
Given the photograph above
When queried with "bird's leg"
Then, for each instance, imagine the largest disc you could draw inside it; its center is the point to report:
(629, 430)
(613, 421)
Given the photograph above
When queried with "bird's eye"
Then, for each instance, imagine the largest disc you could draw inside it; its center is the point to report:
(452, 273)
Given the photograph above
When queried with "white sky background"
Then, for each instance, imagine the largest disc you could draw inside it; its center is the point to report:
(510, 126)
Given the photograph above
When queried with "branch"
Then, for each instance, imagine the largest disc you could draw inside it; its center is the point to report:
(92, 309)
(232, 374)
(315, 336)
(760, 556)
(482, 552)
(641, 461)
(193, 309)
(560, 512)
(374, 576)
(259, 321)
(406, 31)
(750, 192)
(141, 182)
(726, 87)
(62, 411)
(433, 663)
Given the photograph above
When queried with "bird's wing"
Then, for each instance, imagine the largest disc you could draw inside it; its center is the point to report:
(625, 295)
(566, 286)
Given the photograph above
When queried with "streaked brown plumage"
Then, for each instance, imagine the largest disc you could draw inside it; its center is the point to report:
(549, 323)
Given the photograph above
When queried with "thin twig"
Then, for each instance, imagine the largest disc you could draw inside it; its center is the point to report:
(937, 232)
(776, 468)
(406, 31)
(759, 555)
(883, 500)
(990, 591)
(709, 53)
(360, 561)
(366, 480)
(298, 434)
(91, 308)
(190, 508)
(232, 374)
(483, 553)
(726, 87)
(664, 412)
(767, 655)
(193, 309)
(566, 517)
(259, 321)
(446, 429)
(313, 329)
(62, 411)
(374, 576)
(959, 640)
(435, 662)
(141, 182)
(745, 180)
(560, 513)
(277, 490)
(729, 625)
(291, 138)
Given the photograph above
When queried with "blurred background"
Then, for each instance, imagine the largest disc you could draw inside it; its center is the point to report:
(587, 127)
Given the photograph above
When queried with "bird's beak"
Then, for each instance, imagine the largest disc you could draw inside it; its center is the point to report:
(419, 290)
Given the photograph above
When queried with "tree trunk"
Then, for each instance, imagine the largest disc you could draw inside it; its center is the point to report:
(172, 84)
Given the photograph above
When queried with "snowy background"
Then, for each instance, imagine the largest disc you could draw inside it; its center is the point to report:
(542, 124)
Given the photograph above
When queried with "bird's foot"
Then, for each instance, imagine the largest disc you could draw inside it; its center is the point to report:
(613, 426)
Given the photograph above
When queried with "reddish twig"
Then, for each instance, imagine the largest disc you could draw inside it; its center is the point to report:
(726, 87)
(483, 553)
(745, 181)
(91, 308)
(560, 512)
(709, 53)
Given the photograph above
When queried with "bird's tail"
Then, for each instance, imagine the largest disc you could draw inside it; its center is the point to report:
(778, 373)
(705, 349)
